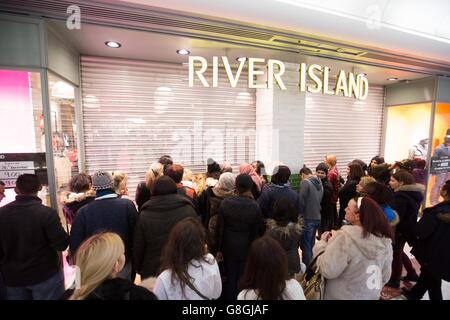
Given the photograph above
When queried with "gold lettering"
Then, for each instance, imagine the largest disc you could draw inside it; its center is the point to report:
(199, 73)
(271, 74)
(215, 72)
(341, 84)
(233, 80)
(315, 78)
(326, 74)
(252, 72)
(302, 83)
(353, 85)
(364, 87)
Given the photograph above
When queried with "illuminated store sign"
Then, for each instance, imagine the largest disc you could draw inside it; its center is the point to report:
(346, 83)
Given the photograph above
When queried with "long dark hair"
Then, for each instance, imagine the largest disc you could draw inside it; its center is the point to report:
(379, 192)
(373, 219)
(266, 269)
(186, 243)
(284, 212)
(356, 171)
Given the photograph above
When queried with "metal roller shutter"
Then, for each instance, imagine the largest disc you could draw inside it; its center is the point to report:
(136, 111)
(349, 128)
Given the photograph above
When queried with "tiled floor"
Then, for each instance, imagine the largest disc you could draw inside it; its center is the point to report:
(394, 294)
(386, 294)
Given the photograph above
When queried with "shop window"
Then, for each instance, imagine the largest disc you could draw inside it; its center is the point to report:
(407, 132)
(64, 135)
(441, 151)
(22, 142)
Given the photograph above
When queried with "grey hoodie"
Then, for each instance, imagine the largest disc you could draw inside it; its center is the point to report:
(310, 194)
(356, 267)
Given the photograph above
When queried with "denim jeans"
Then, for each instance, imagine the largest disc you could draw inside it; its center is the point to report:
(50, 289)
(308, 239)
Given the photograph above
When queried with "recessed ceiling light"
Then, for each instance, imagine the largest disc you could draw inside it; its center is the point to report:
(239, 59)
(183, 52)
(392, 79)
(113, 44)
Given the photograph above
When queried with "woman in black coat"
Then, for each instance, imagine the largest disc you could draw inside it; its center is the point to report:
(156, 219)
(348, 191)
(432, 249)
(239, 222)
(408, 197)
(285, 228)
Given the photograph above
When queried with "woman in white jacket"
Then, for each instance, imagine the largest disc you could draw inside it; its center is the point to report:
(356, 261)
(190, 272)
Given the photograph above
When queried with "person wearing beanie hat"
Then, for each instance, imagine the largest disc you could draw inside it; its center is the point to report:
(106, 212)
(102, 180)
(381, 173)
(212, 172)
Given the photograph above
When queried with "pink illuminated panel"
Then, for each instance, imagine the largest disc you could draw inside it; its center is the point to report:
(16, 113)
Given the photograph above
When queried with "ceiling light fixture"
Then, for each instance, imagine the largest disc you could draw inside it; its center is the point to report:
(113, 44)
(183, 52)
(392, 79)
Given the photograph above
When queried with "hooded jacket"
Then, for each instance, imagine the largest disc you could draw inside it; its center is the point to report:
(407, 201)
(75, 201)
(433, 234)
(108, 214)
(239, 223)
(205, 277)
(271, 193)
(156, 220)
(355, 267)
(288, 237)
(310, 196)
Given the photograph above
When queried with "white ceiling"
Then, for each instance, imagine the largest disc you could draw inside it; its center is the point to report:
(90, 40)
(413, 27)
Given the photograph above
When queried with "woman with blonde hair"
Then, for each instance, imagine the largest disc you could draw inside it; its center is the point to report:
(143, 190)
(120, 184)
(363, 182)
(99, 259)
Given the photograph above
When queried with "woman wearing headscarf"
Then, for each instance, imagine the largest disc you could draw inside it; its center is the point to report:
(247, 168)
(214, 197)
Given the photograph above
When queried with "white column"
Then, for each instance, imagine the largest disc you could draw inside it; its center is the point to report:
(280, 118)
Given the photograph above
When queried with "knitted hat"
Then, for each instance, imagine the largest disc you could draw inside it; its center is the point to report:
(213, 166)
(102, 180)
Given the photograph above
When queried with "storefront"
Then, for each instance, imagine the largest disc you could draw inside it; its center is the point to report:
(38, 89)
(90, 109)
(417, 126)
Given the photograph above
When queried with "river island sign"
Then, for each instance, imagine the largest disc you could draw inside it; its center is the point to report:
(313, 78)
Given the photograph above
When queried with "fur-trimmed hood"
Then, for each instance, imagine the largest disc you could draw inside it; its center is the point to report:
(78, 197)
(444, 217)
(285, 230)
(442, 211)
(412, 187)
